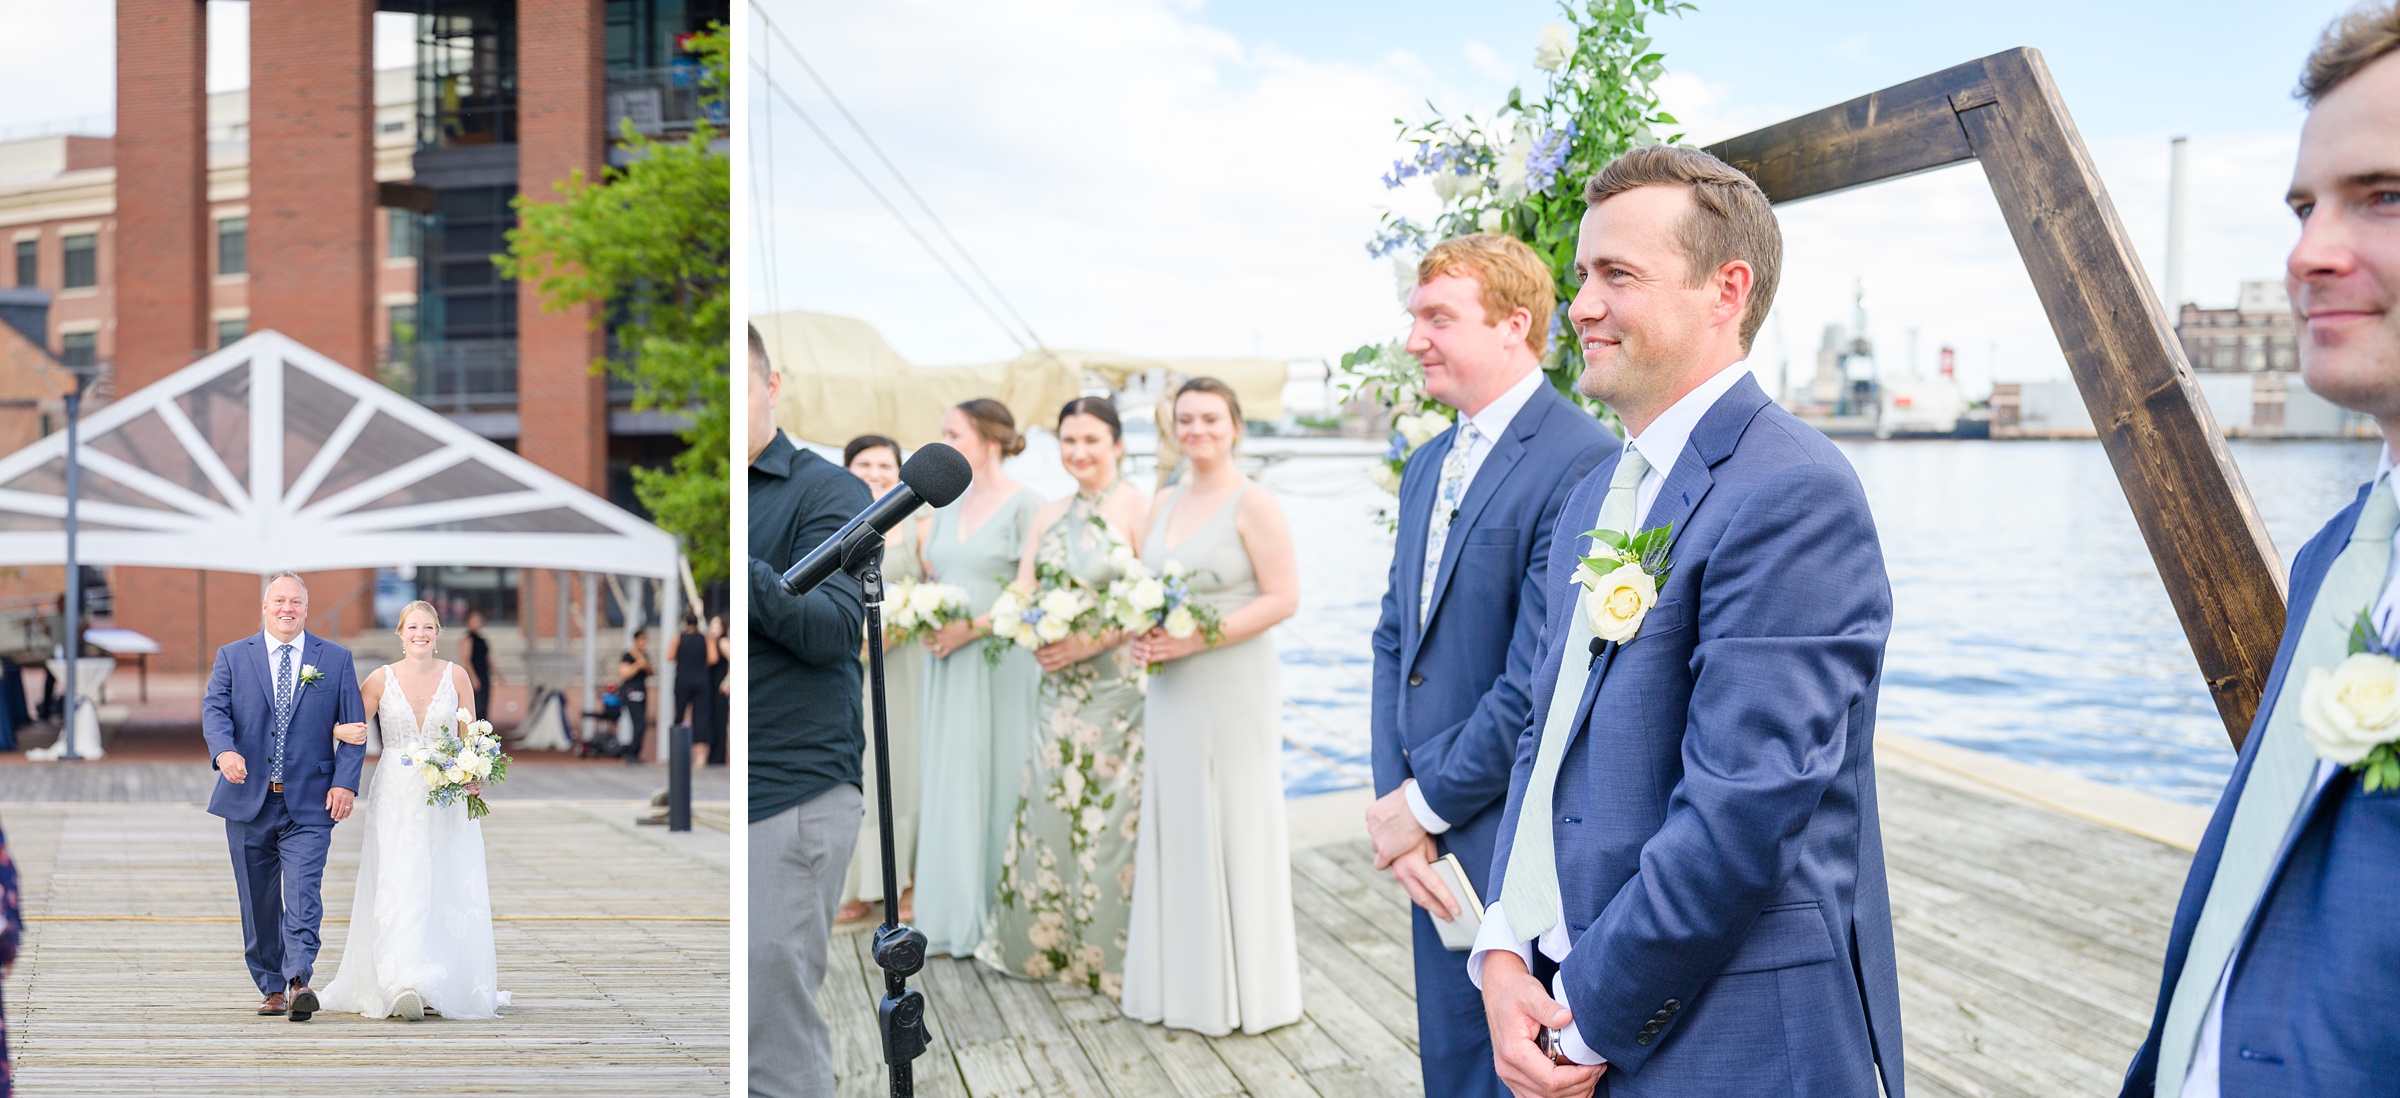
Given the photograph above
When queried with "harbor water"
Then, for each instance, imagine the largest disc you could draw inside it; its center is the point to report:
(2028, 619)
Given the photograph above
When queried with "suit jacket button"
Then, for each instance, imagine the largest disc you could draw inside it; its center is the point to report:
(1644, 1039)
(1416, 678)
(1660, 1017)
(1674, 1005)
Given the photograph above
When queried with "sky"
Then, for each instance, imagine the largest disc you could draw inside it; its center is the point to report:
(1200, 176)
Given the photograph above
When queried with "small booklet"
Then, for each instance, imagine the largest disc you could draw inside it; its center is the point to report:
(1458, 935)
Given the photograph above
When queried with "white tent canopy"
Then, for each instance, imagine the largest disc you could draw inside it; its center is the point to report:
(266, 456)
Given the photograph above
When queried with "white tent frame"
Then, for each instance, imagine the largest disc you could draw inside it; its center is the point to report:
(263, 526)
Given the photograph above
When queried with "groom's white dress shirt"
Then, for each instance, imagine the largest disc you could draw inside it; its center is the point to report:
(2201, 1080)
(1490, 423)
(1661, 444)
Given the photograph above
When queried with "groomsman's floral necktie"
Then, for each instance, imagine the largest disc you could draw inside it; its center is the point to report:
(1446, 499)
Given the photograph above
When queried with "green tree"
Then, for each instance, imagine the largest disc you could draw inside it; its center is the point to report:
(650, 243)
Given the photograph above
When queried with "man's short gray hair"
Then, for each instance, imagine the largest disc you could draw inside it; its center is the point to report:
(283, 575)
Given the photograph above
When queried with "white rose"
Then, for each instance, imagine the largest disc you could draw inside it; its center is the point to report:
(1052, 629)
(1385, 477)
(465, 717)
(1492, 220)
(1616, 605)
(1420, 429)
(1511, 171)
(1450, 186)
(455, 775)
(483, 728)
(1147, 595)
(2351, 711)
(1180, 623)
(1556, 46)
(432, 776)
(1062, 603)
(478, 765)
(925, 599)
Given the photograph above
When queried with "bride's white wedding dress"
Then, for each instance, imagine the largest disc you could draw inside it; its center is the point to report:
(422, 920)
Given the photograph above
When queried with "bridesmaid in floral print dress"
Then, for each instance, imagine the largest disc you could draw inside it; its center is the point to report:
(12, 928)
(1066, 876)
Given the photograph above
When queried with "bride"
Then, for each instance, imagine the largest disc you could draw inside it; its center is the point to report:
(421, 925)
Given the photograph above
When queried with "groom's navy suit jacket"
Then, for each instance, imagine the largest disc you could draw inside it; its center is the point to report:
(1720, 858)
(238, 714)
(1450, 697)
(2311, 1007)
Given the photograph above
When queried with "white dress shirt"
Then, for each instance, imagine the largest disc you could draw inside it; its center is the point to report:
(1490, 423)
(2201, 1080)
(299, 646)
(1662, 445)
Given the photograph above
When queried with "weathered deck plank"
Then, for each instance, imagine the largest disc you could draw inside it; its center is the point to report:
(2029, 944)
(612, 940)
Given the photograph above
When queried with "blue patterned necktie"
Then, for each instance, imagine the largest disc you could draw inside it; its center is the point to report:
(1446, 499)
(2280, 778)
(283, 709)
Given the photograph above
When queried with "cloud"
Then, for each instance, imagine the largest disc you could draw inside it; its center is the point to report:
(1489, 62)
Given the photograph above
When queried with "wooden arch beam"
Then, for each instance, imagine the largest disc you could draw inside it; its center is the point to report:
(2220, 568)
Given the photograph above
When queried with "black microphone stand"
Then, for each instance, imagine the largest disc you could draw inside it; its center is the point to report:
(899, 949)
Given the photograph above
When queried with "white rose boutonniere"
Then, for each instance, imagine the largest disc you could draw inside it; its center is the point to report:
(2351, 713)
(1621, 580)
(310, 676)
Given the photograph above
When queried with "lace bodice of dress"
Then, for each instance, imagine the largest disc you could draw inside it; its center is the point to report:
(402, 728)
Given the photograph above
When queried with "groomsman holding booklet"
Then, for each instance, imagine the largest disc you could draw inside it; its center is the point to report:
(1462, 614)
(1688, 890)
(2282, 967)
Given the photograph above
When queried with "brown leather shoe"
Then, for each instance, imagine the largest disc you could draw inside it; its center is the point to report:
(272, 1006)
(304, 1003)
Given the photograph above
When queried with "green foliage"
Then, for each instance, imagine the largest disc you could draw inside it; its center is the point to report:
(1647, 549)
(1522, 172)
(651, 243)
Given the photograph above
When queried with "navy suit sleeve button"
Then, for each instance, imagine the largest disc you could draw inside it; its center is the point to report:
(1674, 1005)
(1416, 678)
(1644, 1039)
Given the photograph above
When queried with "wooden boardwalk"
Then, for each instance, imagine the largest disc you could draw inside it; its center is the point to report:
(533, 777)
(612, 939)
(2029, 946)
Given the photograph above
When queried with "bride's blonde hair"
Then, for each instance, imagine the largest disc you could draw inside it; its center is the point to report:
(420, 604)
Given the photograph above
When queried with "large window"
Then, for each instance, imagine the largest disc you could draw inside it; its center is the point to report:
(466, 72)
(82, 260)
(231, 329)
(79, 348)
(29, 267)
(404, 325)
(233, 245)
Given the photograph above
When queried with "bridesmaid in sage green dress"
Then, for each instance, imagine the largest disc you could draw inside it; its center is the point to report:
(1066, 876)
(977, 718)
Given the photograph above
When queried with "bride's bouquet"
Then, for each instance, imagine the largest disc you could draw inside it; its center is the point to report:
(914, 611)
(1059, 606)
(464, 758)
(1140, 601)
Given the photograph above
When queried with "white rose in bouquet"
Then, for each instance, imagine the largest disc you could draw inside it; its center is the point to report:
(1062, 603)
(2354, 709)
(1420, 429)
(1180, 623)
(925, 599)
(1492, 220)
(1123, 561)
(478, 765)
(1007, 614)
(1052, 628)
(1385, 477)
(1556, 46)
(1450, 186)
(1147, 595)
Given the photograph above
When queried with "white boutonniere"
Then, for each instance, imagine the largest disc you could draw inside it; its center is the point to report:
(310, 676)
(2351, 714)
(1621, 580)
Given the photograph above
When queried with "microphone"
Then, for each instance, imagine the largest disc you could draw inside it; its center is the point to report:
(935, 474)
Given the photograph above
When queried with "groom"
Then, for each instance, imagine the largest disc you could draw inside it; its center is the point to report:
(1688, 889)
(276, 702)
(1462, 613)
(2282, 967)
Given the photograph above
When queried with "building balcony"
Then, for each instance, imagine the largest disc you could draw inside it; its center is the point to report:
(659, 102)
(460, 375)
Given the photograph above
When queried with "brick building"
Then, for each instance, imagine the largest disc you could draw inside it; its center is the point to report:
(356, 211)
(2254, 336)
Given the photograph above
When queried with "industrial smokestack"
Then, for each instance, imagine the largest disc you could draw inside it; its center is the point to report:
(2175, 207)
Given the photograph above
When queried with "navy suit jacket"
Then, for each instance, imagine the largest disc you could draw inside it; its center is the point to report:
(1720, 855)
(238, 714)
(1450, 697)
(2310, 1010)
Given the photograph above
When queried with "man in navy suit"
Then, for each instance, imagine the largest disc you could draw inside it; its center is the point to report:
(277, 701)
(2282, 967)
(1688, 892)
(1462, 614)
(1462, 610)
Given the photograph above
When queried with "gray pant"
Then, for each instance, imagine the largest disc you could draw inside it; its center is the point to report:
(797, 859)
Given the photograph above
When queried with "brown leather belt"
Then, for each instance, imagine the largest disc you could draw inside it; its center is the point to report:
(274, 787)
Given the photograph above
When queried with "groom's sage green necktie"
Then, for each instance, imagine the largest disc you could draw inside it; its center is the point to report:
(2280, 778)
(1529, 898)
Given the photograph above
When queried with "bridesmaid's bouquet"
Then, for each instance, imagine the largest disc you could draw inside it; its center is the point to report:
(1140, 601)
(464, 758)
(915, 611)
(1058, 606)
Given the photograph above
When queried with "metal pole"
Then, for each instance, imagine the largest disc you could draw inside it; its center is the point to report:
(74, 625)
(591, 652)
(679, 778)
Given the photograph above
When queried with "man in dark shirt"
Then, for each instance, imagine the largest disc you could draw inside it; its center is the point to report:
(805, 743)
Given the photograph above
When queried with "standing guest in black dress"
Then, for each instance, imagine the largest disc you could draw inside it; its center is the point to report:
(633, 688)
(720, 695)
(12, 928)
(691, 678)
(479, 664)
